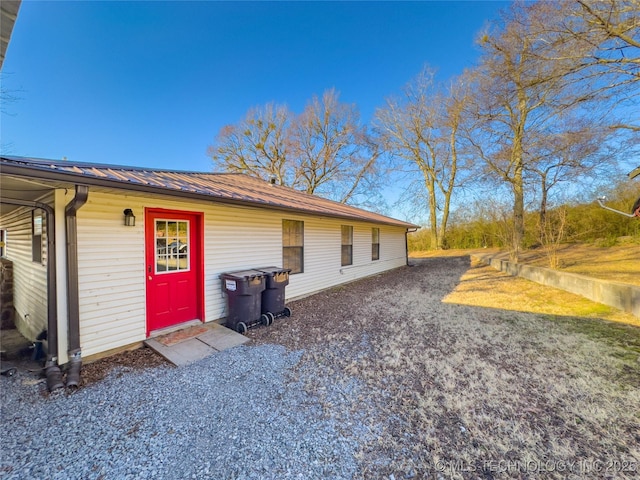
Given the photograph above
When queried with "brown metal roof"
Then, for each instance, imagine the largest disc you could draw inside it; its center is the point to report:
(224, 187)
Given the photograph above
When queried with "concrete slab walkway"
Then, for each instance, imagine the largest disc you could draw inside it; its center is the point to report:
(194, 343)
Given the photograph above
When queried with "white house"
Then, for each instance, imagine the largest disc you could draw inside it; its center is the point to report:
(98, 281)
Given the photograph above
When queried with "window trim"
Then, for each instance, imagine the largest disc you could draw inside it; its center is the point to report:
(299, 249)
(346, 247)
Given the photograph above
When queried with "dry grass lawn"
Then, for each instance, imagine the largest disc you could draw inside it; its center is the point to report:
(484, 286)
(458, 371)
(620, 263)
(454, 389)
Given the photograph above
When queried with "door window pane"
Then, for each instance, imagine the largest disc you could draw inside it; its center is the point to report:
(172, 245)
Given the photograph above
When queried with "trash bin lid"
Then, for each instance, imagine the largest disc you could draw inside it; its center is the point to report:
(273, 270)
(243, 274)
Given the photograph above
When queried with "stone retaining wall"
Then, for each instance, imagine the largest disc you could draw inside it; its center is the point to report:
(619, 295)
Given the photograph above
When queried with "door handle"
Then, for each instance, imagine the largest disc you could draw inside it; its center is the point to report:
(150, 278)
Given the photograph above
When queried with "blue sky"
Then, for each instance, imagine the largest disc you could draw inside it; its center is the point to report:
(151, 83)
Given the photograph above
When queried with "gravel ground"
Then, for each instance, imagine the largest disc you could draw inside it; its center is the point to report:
(375, 379)
(238, 414)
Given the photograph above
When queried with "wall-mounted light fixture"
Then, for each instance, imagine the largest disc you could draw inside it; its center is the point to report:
(129, 218)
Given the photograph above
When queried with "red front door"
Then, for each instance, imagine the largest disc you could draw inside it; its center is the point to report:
(173, 255)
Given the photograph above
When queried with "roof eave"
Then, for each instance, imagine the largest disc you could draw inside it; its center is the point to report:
(79, 179)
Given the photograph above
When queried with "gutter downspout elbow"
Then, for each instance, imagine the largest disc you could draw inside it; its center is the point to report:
(75, 352)
(406, 241)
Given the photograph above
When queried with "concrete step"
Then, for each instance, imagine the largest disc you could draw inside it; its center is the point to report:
(195, 342)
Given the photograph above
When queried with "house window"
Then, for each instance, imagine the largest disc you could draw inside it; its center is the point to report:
(347, 245)
(375, 244)
(293, 245)
(172, 246)
(36, 236)
(3, 243)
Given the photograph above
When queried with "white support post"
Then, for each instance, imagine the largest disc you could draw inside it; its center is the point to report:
(60, 201)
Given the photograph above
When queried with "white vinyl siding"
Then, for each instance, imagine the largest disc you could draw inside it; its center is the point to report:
(111, 260)
(112, 277)
(29, 278)
(323, 239)
(112, 274)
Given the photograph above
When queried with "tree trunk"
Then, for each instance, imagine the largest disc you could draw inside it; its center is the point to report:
(518, 210)
(433, 214)
(543, 202)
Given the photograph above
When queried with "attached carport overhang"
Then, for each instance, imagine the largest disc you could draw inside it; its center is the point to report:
(8, 15)
(52, 369)
(17, 192)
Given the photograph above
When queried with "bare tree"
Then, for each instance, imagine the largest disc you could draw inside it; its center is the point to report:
(420, 129)
(525, 104)
(592, 33)
(552, 233)
(601, 41)
(333, 150)
(613, 26)
(573, 151)
(258, 145)
(325, 150)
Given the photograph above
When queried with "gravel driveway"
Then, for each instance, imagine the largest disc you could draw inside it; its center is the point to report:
(377, 379)
(237, 414)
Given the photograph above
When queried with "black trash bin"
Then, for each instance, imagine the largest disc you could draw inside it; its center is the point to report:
(244, 289)
(273, 295)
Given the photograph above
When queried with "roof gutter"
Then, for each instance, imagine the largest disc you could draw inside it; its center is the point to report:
(73, 297)
(51, 367)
